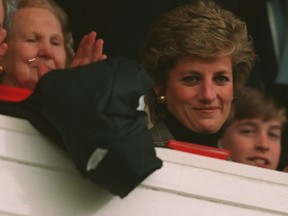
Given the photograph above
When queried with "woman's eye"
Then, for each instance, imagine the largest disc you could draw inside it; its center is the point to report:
(221, 79)
(56, 42)
(31, 39)
(190, 80)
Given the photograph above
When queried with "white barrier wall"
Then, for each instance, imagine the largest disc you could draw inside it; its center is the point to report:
(37, 178)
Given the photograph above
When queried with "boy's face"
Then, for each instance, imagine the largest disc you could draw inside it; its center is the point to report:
(254, 142)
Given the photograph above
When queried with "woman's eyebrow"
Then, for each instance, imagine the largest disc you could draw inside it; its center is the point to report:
(189, 71)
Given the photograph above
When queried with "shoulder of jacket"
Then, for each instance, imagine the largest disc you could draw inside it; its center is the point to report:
(161, 134)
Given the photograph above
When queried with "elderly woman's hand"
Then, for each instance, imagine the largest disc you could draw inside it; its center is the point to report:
(89, 50)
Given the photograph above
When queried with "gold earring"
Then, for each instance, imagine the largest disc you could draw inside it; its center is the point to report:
(162, 100)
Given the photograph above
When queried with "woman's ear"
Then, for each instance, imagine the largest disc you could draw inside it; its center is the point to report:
(156, 90)
(159, 91)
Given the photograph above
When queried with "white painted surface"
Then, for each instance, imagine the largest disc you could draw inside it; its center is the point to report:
(37, 178)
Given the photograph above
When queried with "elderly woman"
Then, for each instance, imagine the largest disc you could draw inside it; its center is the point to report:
(39, 41)
(199, 57)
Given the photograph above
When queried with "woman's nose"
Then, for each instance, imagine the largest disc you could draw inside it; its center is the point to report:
(207, 91)
(45, 51)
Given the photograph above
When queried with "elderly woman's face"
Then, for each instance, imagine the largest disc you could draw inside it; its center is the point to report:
(199, 93)
(35, 46)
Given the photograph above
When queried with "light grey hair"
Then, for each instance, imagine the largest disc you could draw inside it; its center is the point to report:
(9, 10)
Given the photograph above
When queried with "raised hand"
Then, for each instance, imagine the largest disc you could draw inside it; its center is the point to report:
(89, 50)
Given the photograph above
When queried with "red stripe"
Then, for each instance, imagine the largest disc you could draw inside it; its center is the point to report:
(13, 94)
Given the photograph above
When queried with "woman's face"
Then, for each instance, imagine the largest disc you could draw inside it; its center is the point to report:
(254, 141)
(199, 93)
(35, 34)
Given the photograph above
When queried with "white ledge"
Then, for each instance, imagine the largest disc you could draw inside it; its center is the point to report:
(38, 178)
